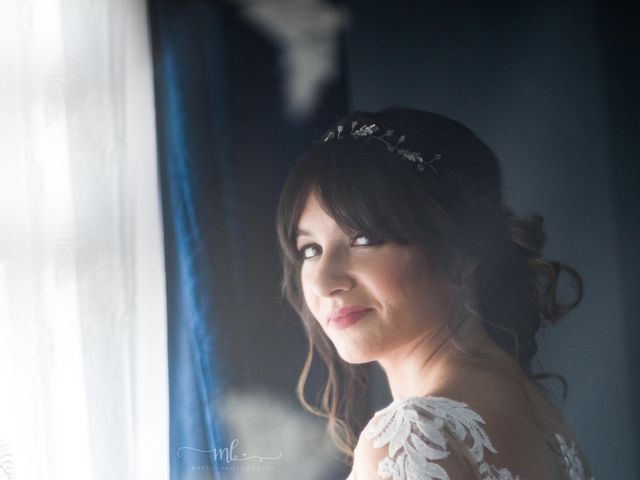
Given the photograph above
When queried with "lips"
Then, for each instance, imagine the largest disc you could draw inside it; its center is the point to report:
(346, 316)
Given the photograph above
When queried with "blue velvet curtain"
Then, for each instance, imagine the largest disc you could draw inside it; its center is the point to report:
(224, 146)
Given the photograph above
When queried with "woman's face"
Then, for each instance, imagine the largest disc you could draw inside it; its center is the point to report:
(406, 302)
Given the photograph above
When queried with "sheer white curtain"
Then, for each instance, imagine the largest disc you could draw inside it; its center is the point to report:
(83, 363)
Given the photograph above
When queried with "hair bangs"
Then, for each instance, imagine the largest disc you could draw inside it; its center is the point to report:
(362, 189)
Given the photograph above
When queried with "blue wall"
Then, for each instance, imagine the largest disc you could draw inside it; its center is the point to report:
(530, 80)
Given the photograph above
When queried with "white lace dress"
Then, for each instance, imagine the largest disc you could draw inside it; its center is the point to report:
(416, 432)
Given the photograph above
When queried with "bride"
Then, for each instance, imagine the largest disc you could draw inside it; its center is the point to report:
(397, 248)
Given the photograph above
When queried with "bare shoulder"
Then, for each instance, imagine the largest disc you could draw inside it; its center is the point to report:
(505, 391)
(519, 417)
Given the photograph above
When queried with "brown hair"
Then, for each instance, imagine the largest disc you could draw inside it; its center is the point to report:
(456, 212)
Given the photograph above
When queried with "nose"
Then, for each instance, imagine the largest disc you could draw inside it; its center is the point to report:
(331, 275)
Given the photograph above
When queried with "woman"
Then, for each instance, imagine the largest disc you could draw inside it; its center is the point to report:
(397, 248)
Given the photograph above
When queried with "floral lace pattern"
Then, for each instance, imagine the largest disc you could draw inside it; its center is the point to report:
(414, 430)
(570, 461)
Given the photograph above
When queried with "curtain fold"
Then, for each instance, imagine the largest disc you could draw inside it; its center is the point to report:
(191, 151)
(83, 355)
(225, 143)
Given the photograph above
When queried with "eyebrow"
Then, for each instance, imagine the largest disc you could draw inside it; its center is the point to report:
(301, 231)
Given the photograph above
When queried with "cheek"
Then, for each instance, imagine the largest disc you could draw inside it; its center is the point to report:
(307, 293)
(304, 286)
(406, 282)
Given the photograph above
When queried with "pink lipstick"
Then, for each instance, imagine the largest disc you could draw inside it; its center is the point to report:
(346, 316)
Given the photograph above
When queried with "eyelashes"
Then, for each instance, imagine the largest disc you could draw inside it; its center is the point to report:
(370, 241)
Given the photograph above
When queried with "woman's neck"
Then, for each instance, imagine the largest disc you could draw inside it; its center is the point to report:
(433, 364)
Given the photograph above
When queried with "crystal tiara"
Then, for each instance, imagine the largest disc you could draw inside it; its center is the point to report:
(369, 131)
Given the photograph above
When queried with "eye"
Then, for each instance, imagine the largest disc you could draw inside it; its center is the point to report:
(302, 252)
(306, 252)
(362, 239)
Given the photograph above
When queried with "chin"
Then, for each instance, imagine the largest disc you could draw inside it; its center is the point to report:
(356, 357)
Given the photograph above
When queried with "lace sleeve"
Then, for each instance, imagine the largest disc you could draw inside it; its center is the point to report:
(427, 438)
(375, 463)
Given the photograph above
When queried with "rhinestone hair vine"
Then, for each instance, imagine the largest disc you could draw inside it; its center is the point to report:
(369, 131)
